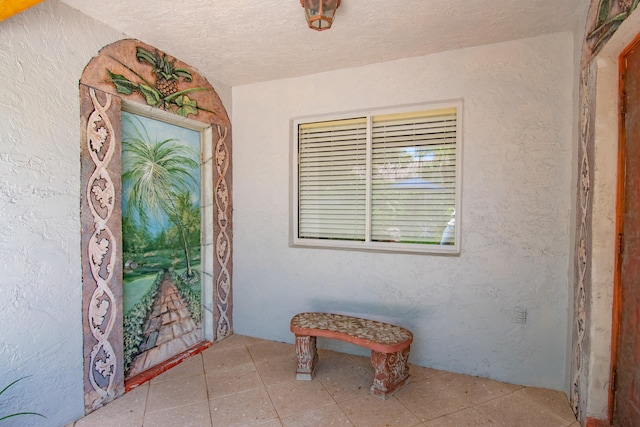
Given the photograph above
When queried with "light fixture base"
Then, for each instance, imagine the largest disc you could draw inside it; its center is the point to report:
(320, 13)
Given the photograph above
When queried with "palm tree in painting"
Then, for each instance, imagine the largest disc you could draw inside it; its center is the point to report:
(158, 178)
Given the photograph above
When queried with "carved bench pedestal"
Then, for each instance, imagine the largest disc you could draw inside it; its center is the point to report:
(392, 372)
(307, 357)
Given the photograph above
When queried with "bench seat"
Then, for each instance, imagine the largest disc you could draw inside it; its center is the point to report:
(389, 345)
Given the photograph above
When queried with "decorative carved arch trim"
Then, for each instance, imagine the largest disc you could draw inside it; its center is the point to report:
(123, 74)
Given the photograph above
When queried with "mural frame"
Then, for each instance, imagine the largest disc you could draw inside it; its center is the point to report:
(129, 75)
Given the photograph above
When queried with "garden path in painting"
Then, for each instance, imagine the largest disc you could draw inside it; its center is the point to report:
(168, 330)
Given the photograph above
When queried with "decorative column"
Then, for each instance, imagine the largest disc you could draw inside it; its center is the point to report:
(101, 248)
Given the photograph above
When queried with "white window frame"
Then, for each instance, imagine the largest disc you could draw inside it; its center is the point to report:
(450, 249)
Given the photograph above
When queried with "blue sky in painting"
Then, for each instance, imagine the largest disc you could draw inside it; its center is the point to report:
(158, 131)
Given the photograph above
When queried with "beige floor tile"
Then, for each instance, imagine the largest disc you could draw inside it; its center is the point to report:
(126, 411)
(330, 415)
(419, 373)
(196, 415)
(272, 423)
(249, 341)
(221, 359)
(365, 362)
(248, 408)
(175, 393)
(517, 409)
(431, 398)
(270, 349)
(335, 357)
(475, 389)
(344, 381)
(293, 396)
(230, 341)
(233, 380)
(277, 369)
(190, 367)
(371, 411)
(470, 417)
(552, 400)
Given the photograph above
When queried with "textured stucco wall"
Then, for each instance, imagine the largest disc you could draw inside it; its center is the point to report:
(43, 52)
(517, 201)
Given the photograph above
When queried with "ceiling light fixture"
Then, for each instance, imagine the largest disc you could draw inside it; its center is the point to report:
(320, 13)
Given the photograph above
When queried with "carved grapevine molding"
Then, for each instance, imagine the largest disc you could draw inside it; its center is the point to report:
(223, 242)
(587, 81)
(102, 251)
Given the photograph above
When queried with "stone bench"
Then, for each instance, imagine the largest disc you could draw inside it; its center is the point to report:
(389, 345)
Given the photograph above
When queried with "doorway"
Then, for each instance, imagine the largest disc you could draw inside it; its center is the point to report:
(625, 388)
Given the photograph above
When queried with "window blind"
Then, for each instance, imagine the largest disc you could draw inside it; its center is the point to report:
(332, 179)
(413, 176)
(379, 181)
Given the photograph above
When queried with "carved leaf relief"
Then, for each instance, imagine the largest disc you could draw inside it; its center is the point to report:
(104, 195)
(98, 135)
(99, 312)
(105, 366)
(98, 251)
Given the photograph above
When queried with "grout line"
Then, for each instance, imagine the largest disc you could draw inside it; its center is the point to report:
(419, 418)
(206, 385)
(146, 401)
(263, 384)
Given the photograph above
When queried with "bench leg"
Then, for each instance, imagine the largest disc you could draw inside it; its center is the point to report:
(392, 372)
(307, 357)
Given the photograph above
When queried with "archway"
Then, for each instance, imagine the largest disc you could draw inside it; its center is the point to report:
(132, 76)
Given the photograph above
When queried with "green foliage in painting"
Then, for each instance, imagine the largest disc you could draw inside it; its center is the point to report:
(183, 283)
(158, 180)
(138, 239)
(133, 322)
(161, 225)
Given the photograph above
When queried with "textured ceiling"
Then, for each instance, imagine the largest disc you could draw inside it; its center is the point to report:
(238, 42)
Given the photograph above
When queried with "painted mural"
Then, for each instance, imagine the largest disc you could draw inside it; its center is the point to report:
(135, 76)
(160, 241)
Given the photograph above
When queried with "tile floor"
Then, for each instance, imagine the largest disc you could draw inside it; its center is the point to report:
(245, 381)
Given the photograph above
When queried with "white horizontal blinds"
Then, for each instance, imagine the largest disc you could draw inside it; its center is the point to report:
(413, 176)
(331, 179)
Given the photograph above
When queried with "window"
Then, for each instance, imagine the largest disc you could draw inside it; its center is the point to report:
(386, 181)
